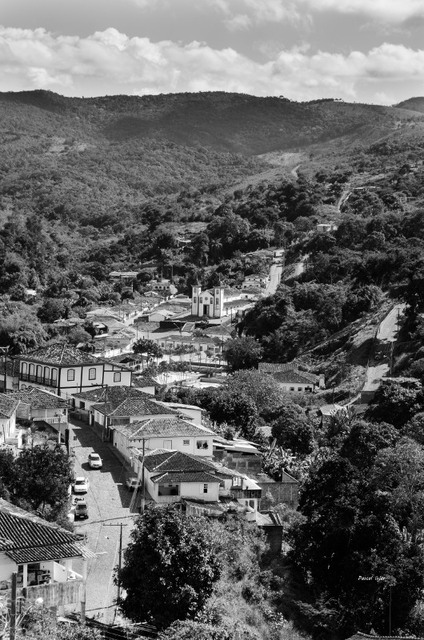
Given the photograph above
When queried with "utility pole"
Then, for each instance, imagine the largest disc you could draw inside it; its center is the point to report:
(13, 602)
(120, 524)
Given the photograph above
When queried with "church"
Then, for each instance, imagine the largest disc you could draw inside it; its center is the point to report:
(219, 301)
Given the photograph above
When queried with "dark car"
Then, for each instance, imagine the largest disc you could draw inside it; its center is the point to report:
(81, 510)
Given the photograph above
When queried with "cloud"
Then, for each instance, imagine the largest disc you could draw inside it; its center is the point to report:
(242, 14)
(110, 62)
(388, 11)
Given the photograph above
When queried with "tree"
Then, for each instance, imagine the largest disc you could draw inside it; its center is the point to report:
(396, 402)
(242, 353)
(234, 408)
(149, 347)
(41, 480)
(169, 567)
(191, 629)
(259, 387)
(292, 430)
(361, 534)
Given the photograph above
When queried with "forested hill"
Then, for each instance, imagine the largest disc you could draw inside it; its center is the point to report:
(222, 122)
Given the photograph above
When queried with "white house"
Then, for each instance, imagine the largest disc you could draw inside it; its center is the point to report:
(41, 553)
(65, 370)
(171, 475)
(8, 432)
(40, 405)
(291, 379)
(153, 433)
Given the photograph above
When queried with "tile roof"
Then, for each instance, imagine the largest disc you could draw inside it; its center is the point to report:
(8, 405)
(143, 381)
(136, 403)
(295, 377)
(162, 428)
(59, 354)
(288, 368)
(38, 398)
(28, 538)
(174, 461)
(175, 477)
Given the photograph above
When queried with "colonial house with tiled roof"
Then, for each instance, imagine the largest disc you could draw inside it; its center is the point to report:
(290, 378)
(41, 553)
(8, 432)
(105, 408)
(171, 433)
(41, 406)
(65, 370)
(173, 476)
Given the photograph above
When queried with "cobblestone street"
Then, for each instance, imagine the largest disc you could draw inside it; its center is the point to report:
(109, 504)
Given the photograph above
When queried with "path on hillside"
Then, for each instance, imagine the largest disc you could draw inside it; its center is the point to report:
(274, 279)
(386, 334)
(283, 164)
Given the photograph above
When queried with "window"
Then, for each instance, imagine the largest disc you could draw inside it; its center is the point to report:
(201, 299)
(24, 367)
(54, 375)
(186, 443)
(31, 369)
(194, 299)
(47, 372)
(299, 388)
(70, 375)
(117, 376)
(205, 488)
(92, 374)
(291, 388)
(39, 371)
(202, 444)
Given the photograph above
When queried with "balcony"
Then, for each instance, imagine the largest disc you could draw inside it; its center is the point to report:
(26, 377)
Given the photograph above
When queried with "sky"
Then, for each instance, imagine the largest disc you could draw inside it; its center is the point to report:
(357, 50)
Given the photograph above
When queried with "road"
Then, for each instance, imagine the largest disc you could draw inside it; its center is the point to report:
(109, 503)
(274, 279)
(386, 333)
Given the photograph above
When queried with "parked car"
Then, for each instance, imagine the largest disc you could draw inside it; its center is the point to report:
(81, 510)
(133, 483)
(95, 461)
(80, 485)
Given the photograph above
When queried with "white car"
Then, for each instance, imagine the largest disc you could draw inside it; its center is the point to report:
(80, 485)
(133, 483)
(95, 461)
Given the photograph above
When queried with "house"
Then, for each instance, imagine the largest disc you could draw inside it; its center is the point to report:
(328, 411)
(124, 278)
(104, 408)
(144, 383)
(66, 370)
(326, 227)
(237, 454)
(171, 475)
(255, 281)
(9, 435)
(284, 491)
(163, 286)
(191, 411)
(41, 406)
(291, 379)
(172, 432)
(41, 554)
(9, 374)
